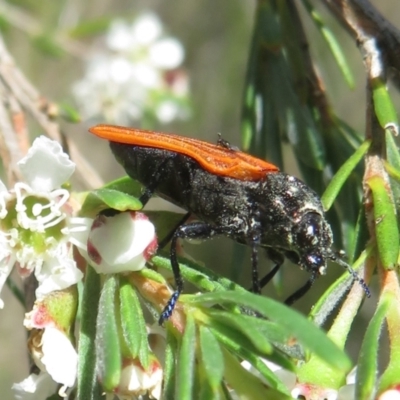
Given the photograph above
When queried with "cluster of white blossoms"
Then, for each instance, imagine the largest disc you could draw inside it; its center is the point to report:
(38, 231)
(36, 226)
(137, 75)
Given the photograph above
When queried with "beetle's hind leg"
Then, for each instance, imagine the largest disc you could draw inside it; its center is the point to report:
(194, 230)
(165, 240)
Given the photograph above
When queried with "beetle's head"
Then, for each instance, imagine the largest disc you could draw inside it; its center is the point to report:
(313, 239)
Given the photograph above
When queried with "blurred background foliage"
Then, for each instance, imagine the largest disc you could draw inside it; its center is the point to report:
(52, 40)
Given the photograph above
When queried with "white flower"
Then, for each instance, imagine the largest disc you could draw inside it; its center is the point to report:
(46, 166)
(59, 356)
(121, 243)
(130, 78)
(35, 223)
(137, 381)
(35, 387)
(167, 53)
(52, 351)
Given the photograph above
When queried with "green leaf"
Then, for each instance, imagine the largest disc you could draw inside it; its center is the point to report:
(133, 323)
(332, 296)
(241, 342)
(386, 228)
(393, 167)
(247, 385)
(246, 325)
(301, 329)
(333, 43)
(233, 341)
(108, 348)
(212, 359)
(186, 359)
(169, 367)
(274, 106)
(69, 113)
(361, 235)
(342, 175)
(101, 199)
(368, 357)
(383, 105)
(88, 386)
(202, 277)
(125, 185)
(47, 45)
(390, 378)
(88, 28)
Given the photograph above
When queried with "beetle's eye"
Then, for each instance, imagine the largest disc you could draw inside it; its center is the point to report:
(316, 262)
(309, 230)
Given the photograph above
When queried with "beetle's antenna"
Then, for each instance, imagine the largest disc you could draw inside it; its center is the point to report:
(338, 260)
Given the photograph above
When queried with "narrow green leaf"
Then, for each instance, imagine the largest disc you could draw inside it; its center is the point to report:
(202, 277)
(47, 45)
(303, 330)
(368, 357)
(89, 28)
(212, 358)
(246, 326)
(108, 350)
(392, 171)
(69, 113)
(393, 167)
(125, 185)
(387, 233)
(245, 384)
(361, 236)
(133, 323)
(333, 43)
(88, 387)
(229, 341)
(383, 105)
(102, 199)
(390, 377)
(241, 344)
(331, 297)
(169, 367)
(341, 176)
(186, 360)
(204, 390)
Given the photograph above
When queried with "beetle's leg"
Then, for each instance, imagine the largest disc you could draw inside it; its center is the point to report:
(162, 243)
(254, 268)
(267, 278)
(303, 290)
(155, 180)
(277, 258)
(195, 230)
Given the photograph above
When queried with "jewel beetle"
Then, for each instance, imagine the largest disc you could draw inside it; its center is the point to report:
(230, 193)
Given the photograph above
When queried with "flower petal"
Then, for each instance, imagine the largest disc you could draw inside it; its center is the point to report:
(146, 29)
(5, 269)
(167, 53)
(35, 387)
(59, 356)
(56, 274)
(46, 166)
(121, 243)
